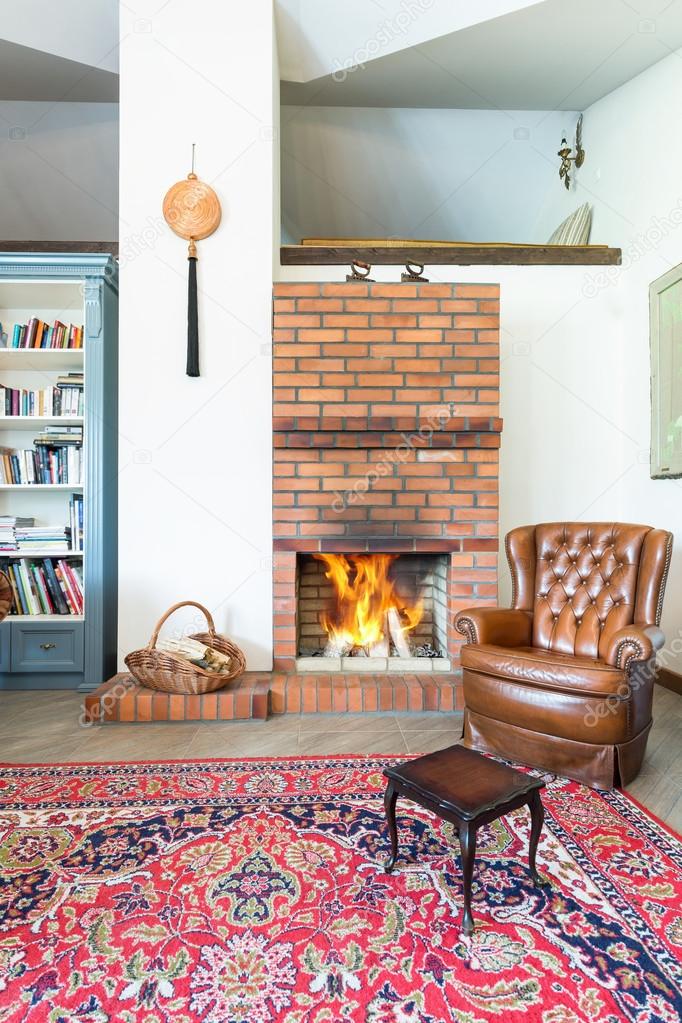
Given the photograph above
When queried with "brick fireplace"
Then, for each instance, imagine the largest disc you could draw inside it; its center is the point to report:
(386, 439)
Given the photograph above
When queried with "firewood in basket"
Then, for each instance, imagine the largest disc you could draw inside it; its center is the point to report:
(196, 653)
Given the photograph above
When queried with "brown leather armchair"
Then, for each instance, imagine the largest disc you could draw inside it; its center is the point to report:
(563, 680)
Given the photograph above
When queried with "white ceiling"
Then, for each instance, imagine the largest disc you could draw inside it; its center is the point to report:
(64, 51)
(551, 55)
(316, 36)
(85, 31)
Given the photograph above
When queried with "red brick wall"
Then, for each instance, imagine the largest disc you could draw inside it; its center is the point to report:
(386, 402)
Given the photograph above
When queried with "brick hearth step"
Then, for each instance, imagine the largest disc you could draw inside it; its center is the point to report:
(256, 695)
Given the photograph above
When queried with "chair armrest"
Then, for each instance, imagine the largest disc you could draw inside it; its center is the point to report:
(501, 626)
(633, 643)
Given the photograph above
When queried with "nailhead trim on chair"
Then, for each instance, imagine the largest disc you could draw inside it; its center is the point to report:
(664, 579)
(639, 650)
(511, 570)
(467, 628)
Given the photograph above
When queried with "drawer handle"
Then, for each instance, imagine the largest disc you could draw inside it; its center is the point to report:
(47, 646)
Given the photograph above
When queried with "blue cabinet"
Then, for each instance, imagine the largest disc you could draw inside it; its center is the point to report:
(78, 650)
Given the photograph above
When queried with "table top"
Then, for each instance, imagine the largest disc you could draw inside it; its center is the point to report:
(462, 780)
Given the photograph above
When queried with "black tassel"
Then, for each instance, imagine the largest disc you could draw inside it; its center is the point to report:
(192, 321)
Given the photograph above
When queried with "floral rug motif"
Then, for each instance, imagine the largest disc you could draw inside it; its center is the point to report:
(254, 892)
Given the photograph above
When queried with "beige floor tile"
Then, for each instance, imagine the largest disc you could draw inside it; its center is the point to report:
(436, 721)
(659, 793)
(365, 742)
(430, 741)
(137, 742)
(356, 723)
(674, 817)
(223, 742)
(25, 749)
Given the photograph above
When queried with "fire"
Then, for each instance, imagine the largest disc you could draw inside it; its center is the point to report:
(369, 612)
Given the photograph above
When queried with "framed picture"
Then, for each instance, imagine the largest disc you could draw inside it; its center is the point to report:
(665, 312)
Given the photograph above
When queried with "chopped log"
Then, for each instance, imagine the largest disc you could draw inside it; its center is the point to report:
(382, 647)
(397, 635)
(336, 648)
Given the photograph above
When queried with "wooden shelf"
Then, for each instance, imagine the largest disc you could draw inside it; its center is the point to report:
(29, 422)
(41, 554)
(75, 487)
(45, 618)
(110, 248)
(455, 255)
(40, 358)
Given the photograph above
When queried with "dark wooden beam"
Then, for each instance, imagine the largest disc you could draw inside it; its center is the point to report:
(455, 255)
(31, 246)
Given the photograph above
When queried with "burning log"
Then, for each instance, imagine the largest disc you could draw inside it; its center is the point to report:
(398, 636)
(381, 648)
(369, 615)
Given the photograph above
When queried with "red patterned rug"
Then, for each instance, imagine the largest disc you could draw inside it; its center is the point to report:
(250, 892)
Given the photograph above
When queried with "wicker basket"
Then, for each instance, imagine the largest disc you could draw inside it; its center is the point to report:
(158, 669)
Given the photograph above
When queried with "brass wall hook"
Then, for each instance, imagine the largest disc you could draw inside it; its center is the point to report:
(565, 154)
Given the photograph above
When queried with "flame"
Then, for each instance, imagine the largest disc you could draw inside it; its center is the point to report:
(364, 596)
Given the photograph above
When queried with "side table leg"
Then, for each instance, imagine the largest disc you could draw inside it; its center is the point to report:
(467, 841)
(390, 799)
(537, 816)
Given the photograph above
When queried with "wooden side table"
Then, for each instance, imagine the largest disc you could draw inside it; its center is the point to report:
(469, 790)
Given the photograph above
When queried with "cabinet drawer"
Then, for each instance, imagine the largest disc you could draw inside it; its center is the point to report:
(41, 647)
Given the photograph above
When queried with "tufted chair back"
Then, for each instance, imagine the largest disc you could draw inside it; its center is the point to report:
(583, 581)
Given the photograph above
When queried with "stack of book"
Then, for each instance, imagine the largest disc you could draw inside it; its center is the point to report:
(57, 457)
(53, 539)
(15, 401)
(37, 334)
(45, 587)
(8, 527)
(71, 394)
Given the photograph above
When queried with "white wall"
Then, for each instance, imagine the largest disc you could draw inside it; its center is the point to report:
(59, 171)
(631, 176)
(575, 341)
(195, 466)
(471, 175)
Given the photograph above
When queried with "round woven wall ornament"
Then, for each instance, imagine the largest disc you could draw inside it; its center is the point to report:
(192, 210)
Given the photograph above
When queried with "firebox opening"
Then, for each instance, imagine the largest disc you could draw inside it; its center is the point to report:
(357, 606)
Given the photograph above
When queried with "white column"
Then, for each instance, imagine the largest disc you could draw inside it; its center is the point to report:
(195, 454)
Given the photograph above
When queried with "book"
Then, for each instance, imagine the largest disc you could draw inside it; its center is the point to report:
(41, 587)
(55, 589)
(38, 334)
(8, 530)
(16, 401)
(55, 458)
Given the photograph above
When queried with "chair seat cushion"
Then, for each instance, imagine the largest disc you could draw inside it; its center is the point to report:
(543, 668)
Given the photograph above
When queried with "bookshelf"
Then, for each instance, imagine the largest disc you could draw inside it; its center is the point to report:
(77, 453)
